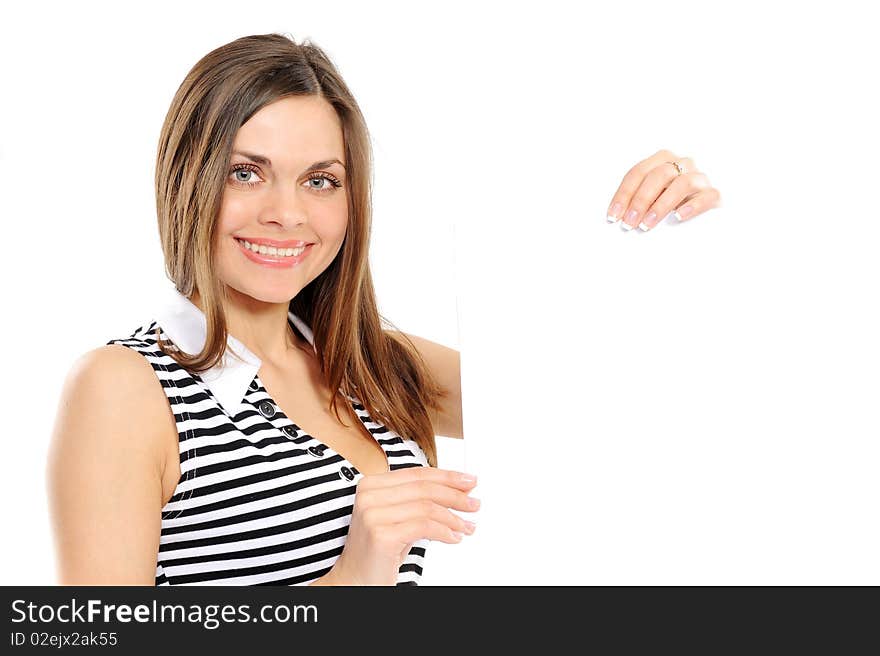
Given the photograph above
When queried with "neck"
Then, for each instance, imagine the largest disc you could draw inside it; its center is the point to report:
(262, 327)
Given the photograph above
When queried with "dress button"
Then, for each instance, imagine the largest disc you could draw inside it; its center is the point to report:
(316, 451)
(266, 409)
(347, 473)
(290, 430)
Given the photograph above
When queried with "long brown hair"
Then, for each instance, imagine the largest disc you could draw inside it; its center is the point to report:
(221, 92)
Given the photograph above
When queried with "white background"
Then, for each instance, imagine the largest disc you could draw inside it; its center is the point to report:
(692, 405)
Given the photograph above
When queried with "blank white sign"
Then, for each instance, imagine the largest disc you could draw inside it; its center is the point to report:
(691, 405)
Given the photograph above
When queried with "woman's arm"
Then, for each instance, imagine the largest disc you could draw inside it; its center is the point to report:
(104, 470)
(445, 365)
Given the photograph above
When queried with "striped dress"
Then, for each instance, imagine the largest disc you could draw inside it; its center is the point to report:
(259, 500)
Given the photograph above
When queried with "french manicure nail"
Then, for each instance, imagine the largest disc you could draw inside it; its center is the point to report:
(469, 527)
(614, 213)
(648, 221)
(458, 536)
(467, 478)
(625, 226)
(474, 503)
(684, 212)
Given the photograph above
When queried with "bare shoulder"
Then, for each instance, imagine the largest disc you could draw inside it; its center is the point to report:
(104, 469)
(429, 350)
(114, 381)
(112, 361)
(112, 401)
(445, 365)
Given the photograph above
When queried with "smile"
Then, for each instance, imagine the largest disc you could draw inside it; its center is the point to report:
(271, 256)
(271, 250)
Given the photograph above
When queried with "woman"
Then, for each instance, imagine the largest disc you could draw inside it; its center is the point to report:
(210, 446)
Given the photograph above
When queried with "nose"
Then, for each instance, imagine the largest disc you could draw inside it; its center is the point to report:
(285, 205)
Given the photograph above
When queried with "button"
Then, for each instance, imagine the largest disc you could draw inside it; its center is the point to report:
(290, 430)
(266, 409)
(254, 385)
(316, 451)
(347, 473)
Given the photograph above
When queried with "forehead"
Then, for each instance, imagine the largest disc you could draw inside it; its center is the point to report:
(292, 130)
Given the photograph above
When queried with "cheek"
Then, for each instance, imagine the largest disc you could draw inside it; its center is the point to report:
(231, 218)
(234, 212)
(331, 221)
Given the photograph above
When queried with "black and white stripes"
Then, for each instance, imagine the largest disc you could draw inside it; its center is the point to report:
(259, 501)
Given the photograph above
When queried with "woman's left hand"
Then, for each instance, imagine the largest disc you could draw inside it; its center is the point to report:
(656, 187)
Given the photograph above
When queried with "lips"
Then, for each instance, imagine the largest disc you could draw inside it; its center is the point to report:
(259, 241)
(274, 261)
(280, 251)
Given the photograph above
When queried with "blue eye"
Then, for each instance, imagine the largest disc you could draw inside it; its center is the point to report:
(325, 181)
(332, 181)
(246, 169)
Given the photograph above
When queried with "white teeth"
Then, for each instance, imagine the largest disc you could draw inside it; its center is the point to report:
(272, 250)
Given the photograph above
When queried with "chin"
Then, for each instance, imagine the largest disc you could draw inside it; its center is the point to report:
(266, 294)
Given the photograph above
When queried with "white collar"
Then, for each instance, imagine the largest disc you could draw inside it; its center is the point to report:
(185, 325)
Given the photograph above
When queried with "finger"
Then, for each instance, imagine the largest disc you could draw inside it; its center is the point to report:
(460, 480)
(653, 184)
(633, 179)
(422, 509)
(437, 492)
(420, 529)
(683, 203)
(678, 189)
(702, 202)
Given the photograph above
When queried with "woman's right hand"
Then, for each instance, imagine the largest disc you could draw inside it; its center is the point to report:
(395, 509)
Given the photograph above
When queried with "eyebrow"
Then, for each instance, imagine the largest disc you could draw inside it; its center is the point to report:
(265, 161)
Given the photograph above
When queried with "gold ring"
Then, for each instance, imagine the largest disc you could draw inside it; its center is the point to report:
(678, 167)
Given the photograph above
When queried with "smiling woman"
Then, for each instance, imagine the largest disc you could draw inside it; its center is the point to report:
(198, 467)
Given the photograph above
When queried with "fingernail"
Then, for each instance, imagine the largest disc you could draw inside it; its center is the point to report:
(614, 213)
(474, 502)
(630, 217)
(467, 478)
(684, 212)
(458, 536)
(647, 222)
(469, 527)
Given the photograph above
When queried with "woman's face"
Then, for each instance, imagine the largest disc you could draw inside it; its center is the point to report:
(286, 187)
